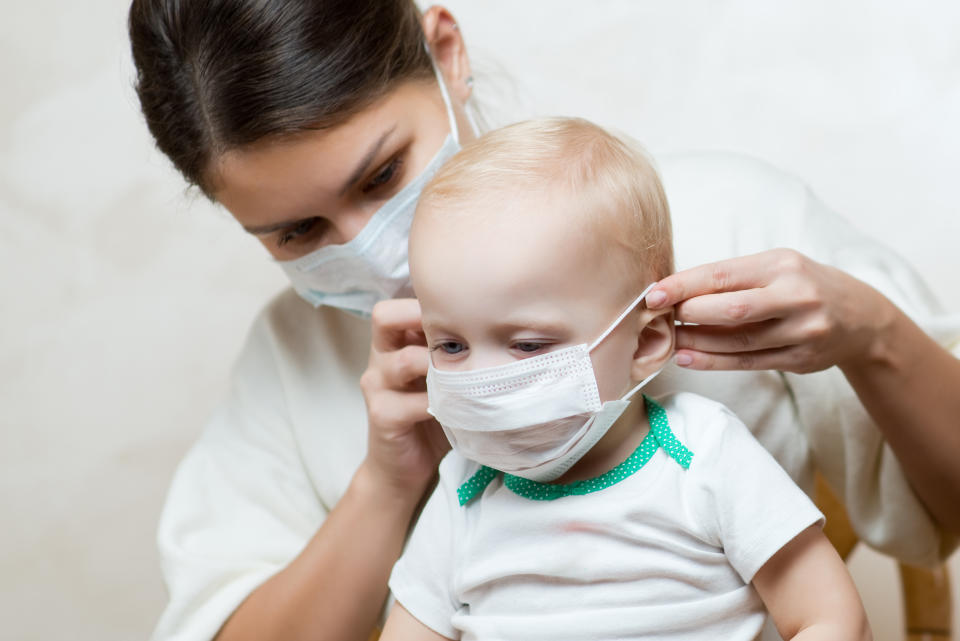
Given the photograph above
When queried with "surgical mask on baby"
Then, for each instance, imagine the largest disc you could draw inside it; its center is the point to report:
(372, 267)
(534, 417)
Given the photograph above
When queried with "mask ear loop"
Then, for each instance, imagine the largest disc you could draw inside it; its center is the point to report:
(616, 324)
(446, 98)
(629, 395)
(470, 111)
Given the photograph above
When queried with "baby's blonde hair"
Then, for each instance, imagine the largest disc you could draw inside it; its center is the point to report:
(621, 195)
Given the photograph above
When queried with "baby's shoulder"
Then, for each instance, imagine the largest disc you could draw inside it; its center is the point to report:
(706, 427)
(455, 470)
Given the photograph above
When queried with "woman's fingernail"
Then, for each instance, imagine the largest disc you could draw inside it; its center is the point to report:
(656, 298)
(683, 360)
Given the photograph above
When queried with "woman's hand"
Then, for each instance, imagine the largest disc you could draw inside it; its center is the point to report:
(773, 310)
(335, 587)
(405, 442)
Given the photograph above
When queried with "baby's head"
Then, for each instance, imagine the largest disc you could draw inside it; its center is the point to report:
(537, 236)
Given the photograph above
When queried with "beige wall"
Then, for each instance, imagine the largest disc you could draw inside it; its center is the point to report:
(124, 299)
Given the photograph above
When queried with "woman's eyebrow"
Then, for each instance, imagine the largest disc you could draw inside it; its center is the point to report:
(263, 230)
(368, 159)
(357, 174)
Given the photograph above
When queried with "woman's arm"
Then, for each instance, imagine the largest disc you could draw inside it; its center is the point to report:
(809, 593)
(911, 388)
(401, 626)
(335, 588)
(781, 310)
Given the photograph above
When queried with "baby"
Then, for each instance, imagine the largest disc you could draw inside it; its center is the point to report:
(570, 508)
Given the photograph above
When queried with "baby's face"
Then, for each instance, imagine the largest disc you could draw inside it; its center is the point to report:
(516, 280)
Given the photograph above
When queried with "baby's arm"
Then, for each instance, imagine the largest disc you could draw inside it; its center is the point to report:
(422, 578)
(809, 593)
(402, 626)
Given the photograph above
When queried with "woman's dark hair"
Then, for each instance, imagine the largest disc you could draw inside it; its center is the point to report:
(215, 75)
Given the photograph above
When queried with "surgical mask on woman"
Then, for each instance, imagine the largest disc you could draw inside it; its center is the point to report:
(372, 267)
(533, 418)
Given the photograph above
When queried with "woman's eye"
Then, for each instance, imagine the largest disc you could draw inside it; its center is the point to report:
(300, 230)
(528, 346)
(451, 347)
(384, 176)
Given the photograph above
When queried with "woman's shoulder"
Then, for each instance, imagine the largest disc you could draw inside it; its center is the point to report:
(726, 171)
(300, 366)
(294, 323)
(295, 334)
(727, 204)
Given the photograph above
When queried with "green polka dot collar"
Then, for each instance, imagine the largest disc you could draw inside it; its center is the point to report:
(659, 436)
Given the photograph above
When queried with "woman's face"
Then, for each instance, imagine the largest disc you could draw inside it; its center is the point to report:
(321, 187)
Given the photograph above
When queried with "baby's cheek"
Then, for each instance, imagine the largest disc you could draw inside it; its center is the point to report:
(612, 363)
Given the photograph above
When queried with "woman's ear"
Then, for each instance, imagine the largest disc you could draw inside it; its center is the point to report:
(449, 51)
(655, 342)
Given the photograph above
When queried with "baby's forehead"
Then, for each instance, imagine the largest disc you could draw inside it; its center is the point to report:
(535, 232)
(512, 216)
(545, 206)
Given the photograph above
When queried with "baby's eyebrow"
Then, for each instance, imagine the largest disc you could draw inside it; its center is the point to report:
(430, 325)
(541, 325)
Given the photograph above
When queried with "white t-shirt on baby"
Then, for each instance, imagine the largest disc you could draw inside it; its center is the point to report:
(664, 552)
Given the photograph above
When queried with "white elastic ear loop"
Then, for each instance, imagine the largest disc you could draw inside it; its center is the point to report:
(446, 97)
(616, 323)
(628, 395)
(470, 110)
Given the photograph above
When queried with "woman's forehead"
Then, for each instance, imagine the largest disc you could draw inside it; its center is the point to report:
(284, 174)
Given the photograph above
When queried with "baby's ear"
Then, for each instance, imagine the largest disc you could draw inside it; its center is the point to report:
(655, 342)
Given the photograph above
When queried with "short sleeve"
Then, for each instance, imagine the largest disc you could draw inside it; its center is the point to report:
(422, 579)
(745, 500)
(241, 505)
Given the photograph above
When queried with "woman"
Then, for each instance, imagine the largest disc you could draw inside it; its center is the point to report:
(315, 123)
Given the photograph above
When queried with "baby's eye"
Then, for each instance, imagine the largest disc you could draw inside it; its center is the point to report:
(528, 346)
(450, 347)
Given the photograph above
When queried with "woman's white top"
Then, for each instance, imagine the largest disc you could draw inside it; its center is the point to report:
(666, 553)
(284, 444)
